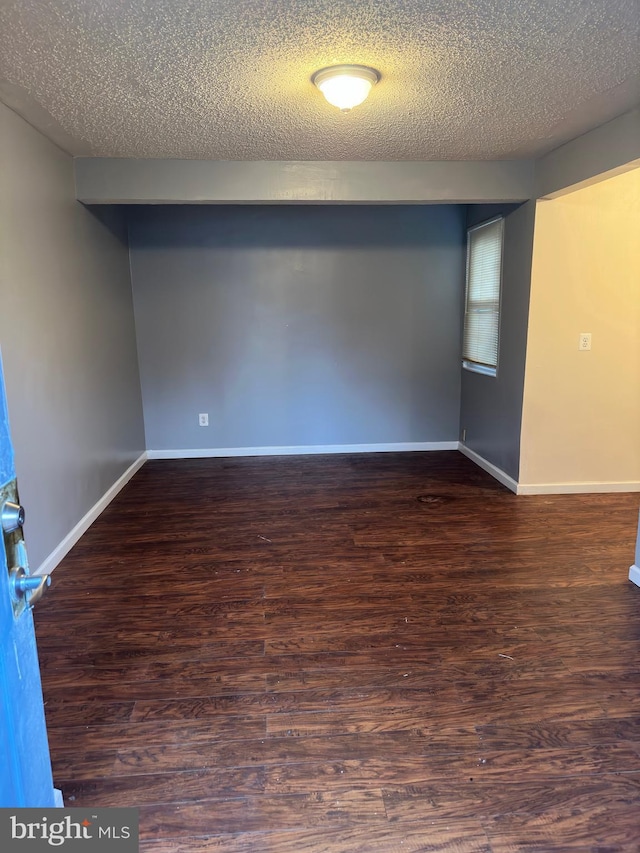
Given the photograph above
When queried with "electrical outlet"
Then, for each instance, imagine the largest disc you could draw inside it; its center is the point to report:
(203, 419)
(584, 342)
(464, 435)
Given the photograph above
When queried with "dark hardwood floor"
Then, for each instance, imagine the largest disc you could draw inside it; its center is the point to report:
(349, 653)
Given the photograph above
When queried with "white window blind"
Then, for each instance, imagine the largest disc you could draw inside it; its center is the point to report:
(482, 304)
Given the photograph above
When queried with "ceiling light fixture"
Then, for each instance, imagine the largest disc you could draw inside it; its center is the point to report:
(345, 86)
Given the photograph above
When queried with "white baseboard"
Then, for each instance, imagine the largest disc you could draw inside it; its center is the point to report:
(576, 488)
(634, 575)
(86, 521)
(490, 468)
(301, 450)
(546, 488)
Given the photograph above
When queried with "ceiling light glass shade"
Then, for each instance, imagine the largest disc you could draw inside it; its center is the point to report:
(345, 86)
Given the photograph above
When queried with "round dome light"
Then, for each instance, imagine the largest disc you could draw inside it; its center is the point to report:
(345, 86)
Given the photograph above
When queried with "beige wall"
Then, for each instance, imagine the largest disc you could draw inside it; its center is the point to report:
(581, 416)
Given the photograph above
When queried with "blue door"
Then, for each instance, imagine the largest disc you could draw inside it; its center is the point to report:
(25, 767)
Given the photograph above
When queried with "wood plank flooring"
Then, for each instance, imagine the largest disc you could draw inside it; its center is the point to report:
(368, 653)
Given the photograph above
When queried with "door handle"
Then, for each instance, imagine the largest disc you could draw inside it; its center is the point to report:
(28, 588)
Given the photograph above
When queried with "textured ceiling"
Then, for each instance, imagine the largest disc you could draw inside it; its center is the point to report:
(229, 79)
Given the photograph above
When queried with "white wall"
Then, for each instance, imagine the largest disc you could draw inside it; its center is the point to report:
(67, 336)
(581, 416)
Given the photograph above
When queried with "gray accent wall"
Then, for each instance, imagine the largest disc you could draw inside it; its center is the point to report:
(67, 337)
(298, 326)
(491, 406)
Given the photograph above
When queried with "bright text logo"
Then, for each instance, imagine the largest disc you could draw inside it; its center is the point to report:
(101, 830)
(55, 833)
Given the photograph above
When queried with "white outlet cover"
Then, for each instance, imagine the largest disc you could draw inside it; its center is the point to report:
(203, 419)
(584, 341)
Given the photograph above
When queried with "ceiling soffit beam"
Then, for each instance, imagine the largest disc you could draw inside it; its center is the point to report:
(130, 181)
(604, 151)
(600, 153)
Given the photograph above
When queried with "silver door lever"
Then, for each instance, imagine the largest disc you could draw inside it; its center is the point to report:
(27, 587)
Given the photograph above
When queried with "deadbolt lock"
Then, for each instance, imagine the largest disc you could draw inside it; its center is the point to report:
(12, 516)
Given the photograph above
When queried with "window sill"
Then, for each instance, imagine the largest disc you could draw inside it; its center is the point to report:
(483, 369)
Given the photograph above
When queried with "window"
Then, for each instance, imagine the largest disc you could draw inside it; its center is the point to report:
(482, 301)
